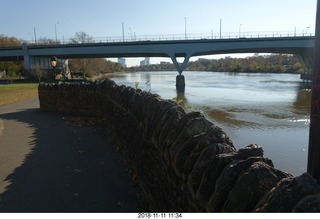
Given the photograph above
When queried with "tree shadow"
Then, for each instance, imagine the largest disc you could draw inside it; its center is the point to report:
(69, 169)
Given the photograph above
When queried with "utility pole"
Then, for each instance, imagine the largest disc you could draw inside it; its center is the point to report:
(220, 27)
(35, 35)
(55, 31)
(185, 27)
(122, 32)
(314, 133)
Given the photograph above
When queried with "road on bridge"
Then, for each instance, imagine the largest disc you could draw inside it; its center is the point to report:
(47, 166)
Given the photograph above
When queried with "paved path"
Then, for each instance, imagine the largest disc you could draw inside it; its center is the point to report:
(46, 166)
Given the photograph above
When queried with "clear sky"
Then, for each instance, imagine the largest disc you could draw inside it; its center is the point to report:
(103, 18)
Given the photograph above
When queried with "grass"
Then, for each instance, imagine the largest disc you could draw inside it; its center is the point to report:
(16, 92)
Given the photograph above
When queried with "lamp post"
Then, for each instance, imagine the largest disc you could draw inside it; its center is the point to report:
(220, 27)
(185, 28)
(240, 30)
(305, 31)
(55, 31)
(130, 33)
(54, 62)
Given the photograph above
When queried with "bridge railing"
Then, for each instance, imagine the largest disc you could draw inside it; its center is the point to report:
(199, 36)
(191, 36)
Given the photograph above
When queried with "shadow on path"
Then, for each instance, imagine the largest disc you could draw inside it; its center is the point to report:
(69, 169)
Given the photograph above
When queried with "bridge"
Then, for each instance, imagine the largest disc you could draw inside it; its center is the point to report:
(186, 48)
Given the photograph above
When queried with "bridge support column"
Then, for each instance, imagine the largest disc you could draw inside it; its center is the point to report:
(306, 59)
(26, 56)
(180, 67)
(180, 83)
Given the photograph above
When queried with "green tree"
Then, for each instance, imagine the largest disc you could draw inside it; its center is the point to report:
(12, 68)
(94, 66)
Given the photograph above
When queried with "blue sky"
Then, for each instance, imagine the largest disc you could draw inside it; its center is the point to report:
(103, 18)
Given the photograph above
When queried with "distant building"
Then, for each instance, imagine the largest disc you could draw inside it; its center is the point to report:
(122, 61)
(146, 61)
(164, 63)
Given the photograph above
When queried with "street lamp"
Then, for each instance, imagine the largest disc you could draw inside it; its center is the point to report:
(185, 28)
(54, 62)
(306, 31)
(55, 31)
(130, 33)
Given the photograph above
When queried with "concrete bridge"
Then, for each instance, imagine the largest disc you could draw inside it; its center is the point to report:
(41, 54)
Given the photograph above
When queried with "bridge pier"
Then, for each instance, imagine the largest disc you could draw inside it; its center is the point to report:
(180, 80)
(180, 67)
(180, 83)
(306, 59)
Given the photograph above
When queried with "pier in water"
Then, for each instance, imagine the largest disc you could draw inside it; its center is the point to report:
(268, 109)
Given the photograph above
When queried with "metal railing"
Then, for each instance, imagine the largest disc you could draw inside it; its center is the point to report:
(192, 36)
(202, 36)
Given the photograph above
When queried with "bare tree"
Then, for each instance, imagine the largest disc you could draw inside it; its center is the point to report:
(82, 37)
(38, 73)
(47, 41)
(82, 64)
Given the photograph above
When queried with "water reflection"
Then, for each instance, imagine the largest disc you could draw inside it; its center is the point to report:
(228, 117)
(302, 102)
(271, 110)
(181, 99)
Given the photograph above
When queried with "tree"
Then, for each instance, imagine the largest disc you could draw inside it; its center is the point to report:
(6, 41)
(82, 65)
(47, 41)
(93, 66)
(12, 68)
(81, 37)
(38, 73)
(86, 66)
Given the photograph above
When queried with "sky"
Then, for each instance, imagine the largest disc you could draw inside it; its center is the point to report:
(30, 19)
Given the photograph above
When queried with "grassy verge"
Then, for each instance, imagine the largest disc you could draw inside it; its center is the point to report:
(16, 92)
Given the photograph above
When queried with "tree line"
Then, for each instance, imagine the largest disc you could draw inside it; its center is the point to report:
(11, 68)
(272, 63)
(87, 66)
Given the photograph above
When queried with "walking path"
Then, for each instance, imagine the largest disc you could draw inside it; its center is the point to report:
(47, 166)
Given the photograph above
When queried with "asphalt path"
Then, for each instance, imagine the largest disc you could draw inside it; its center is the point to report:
(48, 166)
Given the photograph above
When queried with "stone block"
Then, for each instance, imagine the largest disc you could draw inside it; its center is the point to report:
(251, 186)
(288, 193)
(228, 179)
(210, 175)
(308, 204)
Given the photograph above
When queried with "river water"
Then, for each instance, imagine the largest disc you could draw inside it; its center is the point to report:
(271, 110)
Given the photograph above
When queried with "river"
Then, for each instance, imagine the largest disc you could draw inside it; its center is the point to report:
(268, 109)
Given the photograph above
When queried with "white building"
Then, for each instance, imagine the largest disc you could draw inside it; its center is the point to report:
(122, 61)
(146, 61)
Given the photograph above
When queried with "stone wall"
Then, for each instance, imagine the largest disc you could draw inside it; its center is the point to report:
(181, 161)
